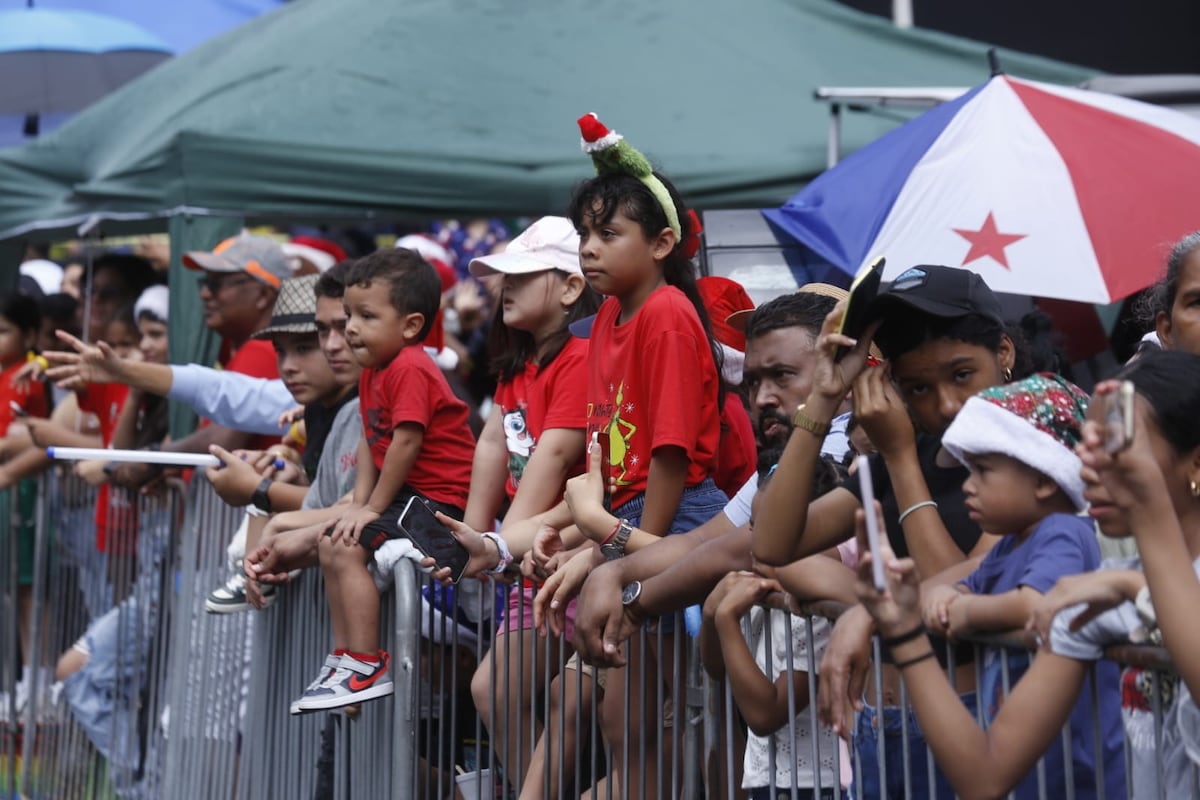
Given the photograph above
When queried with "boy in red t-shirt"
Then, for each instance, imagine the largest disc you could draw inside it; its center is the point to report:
(415, 442)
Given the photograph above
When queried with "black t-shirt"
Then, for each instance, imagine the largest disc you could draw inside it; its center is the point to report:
(945, 488)
(318, 421)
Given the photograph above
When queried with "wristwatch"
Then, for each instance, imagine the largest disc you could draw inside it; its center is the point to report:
(629, 597)
(803, 421)
(261, 499)
(615, 547)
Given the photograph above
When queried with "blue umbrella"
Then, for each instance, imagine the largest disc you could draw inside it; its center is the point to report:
(60, 61)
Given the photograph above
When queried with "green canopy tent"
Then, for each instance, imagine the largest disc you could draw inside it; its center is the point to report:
(329, 109)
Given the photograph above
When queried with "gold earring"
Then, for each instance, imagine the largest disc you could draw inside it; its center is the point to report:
(1194, 488)
(1007, 375)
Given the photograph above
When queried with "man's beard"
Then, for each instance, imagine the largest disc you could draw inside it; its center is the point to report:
(782, 429)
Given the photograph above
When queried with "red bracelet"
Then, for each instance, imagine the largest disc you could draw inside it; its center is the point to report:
(610, 536)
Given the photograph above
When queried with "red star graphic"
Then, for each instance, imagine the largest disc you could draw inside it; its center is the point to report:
(988, 241)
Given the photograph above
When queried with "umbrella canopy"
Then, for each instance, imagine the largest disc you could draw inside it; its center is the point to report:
(66, 60)
(1043, 190)
(328, 108)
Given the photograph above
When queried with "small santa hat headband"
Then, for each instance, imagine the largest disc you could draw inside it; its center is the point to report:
(611, 153)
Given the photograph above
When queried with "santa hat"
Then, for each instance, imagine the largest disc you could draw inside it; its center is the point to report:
(321, 253)
(612, 154)
(433, 252)
(1037, 421)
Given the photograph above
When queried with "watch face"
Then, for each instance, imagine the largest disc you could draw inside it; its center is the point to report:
(631, 592)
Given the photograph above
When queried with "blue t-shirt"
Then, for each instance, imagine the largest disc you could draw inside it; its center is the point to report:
(1061, 544)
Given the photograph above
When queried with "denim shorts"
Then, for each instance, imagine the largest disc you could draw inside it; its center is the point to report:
(697, 505)
(895, 721)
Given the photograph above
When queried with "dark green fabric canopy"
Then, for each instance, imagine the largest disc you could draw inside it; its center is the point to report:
(363, 108)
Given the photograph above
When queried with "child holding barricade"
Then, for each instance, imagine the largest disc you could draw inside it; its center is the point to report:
(653, 396)
(531, 442)
(415, 444)
(1017, 441)
(760, 666)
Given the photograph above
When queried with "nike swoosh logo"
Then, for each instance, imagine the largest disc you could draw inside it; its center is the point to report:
(357, 684)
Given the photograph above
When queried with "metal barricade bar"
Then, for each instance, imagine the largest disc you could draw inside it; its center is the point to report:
(201, 705)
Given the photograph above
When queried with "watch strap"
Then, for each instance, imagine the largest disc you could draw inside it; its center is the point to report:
(802, 420)
(261, 499)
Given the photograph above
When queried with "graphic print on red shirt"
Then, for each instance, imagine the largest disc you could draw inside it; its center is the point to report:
(652, 383)
(537, 401)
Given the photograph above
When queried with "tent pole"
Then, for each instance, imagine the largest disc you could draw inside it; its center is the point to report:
(835, 135)
(190, 342)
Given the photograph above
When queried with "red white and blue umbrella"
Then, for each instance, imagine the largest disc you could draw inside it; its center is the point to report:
(1043, 190)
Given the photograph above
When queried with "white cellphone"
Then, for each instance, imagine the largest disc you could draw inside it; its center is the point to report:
(868, 503)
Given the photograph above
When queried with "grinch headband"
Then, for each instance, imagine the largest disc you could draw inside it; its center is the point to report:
(612, 154)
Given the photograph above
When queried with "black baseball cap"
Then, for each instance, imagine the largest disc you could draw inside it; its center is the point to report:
(946, 292)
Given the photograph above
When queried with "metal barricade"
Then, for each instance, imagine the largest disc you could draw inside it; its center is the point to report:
(79, 721)
(174, 702)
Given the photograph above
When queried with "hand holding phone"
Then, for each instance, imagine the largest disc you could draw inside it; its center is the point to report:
(433, 538)
(1118, 418)
(863, 470)
(862, 292)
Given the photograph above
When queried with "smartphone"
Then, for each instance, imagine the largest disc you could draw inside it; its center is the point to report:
(1118, 418)
(863, 470)
(433, 538)
(862, 292)
(16, 409)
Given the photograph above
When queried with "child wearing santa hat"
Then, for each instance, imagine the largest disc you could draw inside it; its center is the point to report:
(1018, 441)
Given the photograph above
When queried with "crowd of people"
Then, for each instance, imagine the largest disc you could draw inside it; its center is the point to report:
(650, 442)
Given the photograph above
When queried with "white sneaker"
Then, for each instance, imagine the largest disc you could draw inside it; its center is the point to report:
(351, 683)
(331, 665)
(231, 598)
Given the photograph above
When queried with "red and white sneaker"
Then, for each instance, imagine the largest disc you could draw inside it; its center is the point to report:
(353, 681)
(331, 664)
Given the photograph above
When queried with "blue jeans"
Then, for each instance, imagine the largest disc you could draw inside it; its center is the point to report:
(697, 505)
(895, 721)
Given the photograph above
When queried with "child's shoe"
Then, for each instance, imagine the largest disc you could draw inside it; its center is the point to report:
(354, 681)
(231, 598)
(331, 664)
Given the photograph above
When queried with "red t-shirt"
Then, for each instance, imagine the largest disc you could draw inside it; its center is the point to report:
(31, 397)
(411, 389)
(652, 383)
(257, 359)
(534, 401)
(105, 400)
(738, 452)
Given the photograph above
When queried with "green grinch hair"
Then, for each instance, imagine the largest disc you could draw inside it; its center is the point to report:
(612, 154)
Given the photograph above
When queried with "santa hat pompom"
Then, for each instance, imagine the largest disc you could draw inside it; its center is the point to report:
(596, 135)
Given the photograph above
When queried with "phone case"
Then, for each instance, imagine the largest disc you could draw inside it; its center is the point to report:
(433, 538)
